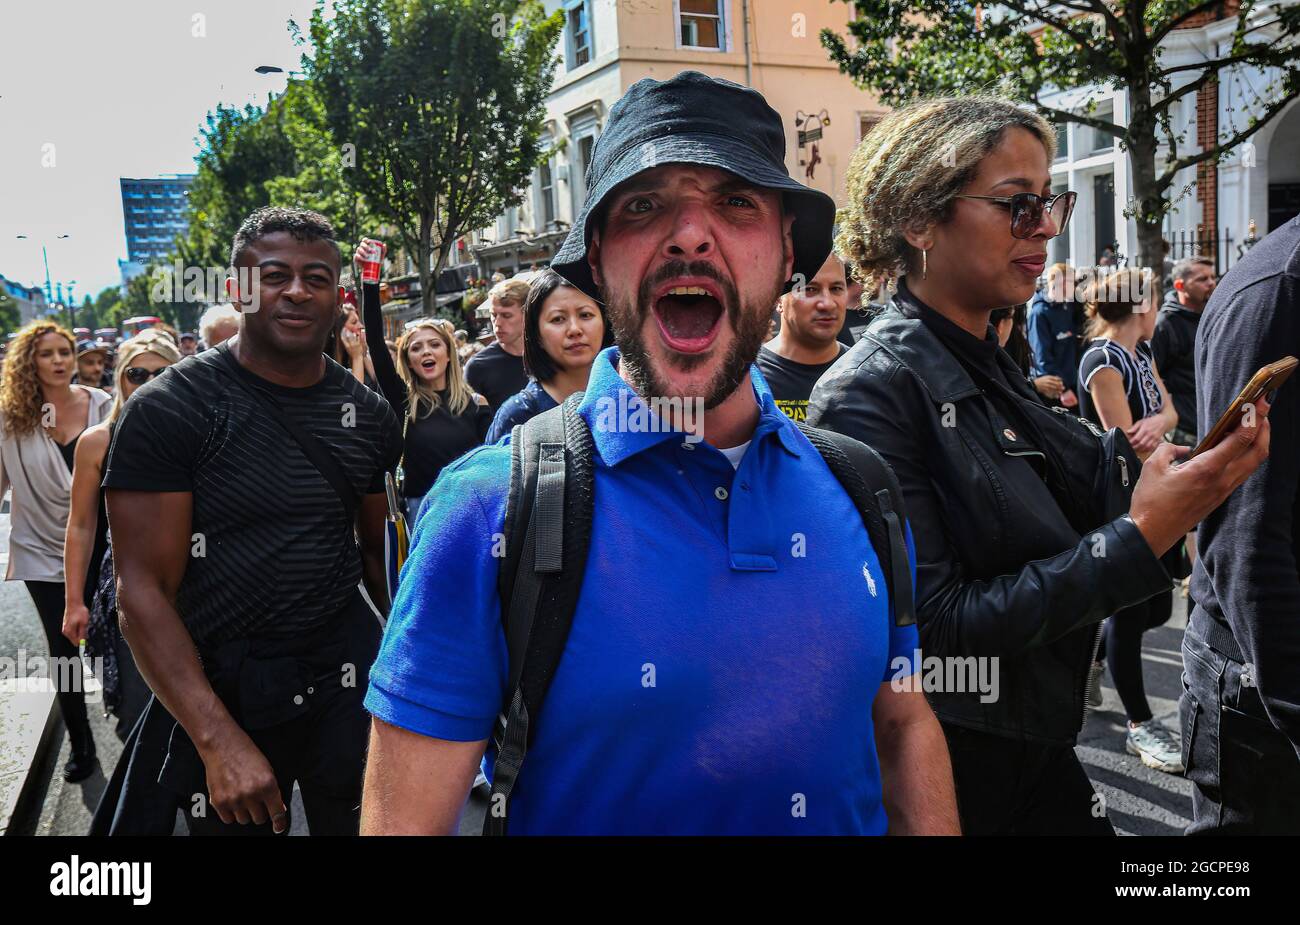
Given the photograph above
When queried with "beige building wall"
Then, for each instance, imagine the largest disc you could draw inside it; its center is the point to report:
(787, 64)
(633, 39)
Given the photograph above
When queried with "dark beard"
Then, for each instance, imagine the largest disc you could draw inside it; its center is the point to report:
(749, 322)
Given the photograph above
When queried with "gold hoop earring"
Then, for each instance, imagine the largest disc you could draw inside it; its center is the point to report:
(924, 268)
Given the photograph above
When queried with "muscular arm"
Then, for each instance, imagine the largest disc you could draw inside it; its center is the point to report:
(915, 772)
(415, 785)
(371, 528)
(151, 548)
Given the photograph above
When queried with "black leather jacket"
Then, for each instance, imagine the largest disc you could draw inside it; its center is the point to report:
(1013, 558)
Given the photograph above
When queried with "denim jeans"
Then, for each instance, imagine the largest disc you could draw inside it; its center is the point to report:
(1245, 774)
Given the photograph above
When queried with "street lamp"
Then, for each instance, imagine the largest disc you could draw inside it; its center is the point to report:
(49, 290)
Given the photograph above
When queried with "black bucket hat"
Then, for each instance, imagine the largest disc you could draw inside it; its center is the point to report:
(696, 119)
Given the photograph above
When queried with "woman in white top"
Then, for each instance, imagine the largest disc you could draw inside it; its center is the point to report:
(42, 415)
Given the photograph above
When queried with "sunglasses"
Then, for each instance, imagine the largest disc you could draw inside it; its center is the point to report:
(1027, 211)
(138, 375)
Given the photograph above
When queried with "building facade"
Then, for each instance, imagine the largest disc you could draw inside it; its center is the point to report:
(1218, 209)
(153, 214)
(608, 45)
(28, 300)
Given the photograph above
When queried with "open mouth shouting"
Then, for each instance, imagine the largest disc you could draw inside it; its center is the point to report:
(689, 314)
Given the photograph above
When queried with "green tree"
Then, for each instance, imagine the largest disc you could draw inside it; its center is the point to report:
(1031, 48)
(242, 149)
(105, 309)
(441, 104)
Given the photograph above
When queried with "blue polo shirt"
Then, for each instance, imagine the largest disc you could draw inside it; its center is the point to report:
(730, 638)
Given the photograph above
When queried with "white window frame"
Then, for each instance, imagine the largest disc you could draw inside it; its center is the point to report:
(570, 48)
(543, 225)
(724, 31)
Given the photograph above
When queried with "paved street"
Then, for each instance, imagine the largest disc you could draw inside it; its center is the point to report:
(1140, 801)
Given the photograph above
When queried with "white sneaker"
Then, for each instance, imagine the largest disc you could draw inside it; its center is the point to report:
(1156, 746)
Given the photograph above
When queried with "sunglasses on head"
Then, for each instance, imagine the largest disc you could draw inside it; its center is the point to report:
(1027, 211)
(138, 375)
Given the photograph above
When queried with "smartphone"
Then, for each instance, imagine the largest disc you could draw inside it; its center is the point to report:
(1266, 380)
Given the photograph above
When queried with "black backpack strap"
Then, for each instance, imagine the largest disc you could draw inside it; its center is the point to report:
(310, 445)
(872, 486)
(547, 536)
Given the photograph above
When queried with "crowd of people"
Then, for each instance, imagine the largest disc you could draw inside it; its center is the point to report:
(718, 627)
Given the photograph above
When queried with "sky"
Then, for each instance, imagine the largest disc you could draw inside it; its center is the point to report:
(119, 88)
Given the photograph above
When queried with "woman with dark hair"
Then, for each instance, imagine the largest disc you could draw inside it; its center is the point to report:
(1011, 325)
(347, 346)
(43, 416)
(1119, 386)
(564, 329)
(1030, 528)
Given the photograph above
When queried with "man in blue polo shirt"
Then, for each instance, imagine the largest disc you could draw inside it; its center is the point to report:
(729, 665)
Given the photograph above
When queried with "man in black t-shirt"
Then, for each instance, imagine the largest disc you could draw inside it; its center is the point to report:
(808, 345)
(235, 483)
(497, 371)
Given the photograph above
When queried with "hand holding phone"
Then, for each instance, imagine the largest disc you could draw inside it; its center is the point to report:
(1268, 379)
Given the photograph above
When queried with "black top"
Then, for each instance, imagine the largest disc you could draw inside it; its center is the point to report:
(1137, 370)
(791, 383)
(273, 553)
(1173, 345)
(980, 359)
(1246, 577)
(437, 438)
(496, 375)
(69, 450)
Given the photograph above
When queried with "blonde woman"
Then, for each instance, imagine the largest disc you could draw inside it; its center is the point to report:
(43, 415)
(442, 417)
(87, 560)
(955, 197)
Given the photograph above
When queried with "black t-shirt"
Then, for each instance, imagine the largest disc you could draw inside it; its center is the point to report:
(272, 553)
(791, 383)
(439, 438)
(496, 375)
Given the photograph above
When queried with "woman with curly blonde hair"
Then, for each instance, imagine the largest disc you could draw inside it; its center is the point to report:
(1026, 537)
(42, 417)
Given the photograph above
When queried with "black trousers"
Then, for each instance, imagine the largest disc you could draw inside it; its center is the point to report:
(48, 598)
(1009, 787)
(324, 752)
(1123, 637)
(1245, 773)
(320, 744)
